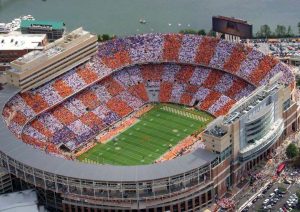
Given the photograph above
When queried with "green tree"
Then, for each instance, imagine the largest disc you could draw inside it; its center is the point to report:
(291, 151)
(296, 161)
(188, 31)
(211, 33)
(264, 31)
(280, 31)
(201, 32)
(192, 31)
(290, 32)
(298, 194)
(99, 37)
(105, 37)
(281, 188)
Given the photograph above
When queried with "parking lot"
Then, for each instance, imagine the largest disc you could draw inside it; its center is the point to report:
(273, 199)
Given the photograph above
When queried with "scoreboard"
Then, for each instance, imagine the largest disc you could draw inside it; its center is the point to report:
(232, 26)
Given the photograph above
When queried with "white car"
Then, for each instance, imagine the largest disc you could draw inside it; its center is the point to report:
(266, 201)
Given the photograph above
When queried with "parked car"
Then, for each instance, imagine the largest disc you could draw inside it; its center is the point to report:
(266, 201)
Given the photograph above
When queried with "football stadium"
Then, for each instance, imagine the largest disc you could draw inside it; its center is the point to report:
(151, 122)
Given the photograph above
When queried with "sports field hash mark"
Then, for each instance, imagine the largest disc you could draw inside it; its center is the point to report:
(184, 113)
(154, 134)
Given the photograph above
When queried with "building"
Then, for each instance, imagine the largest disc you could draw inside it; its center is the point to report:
(253, 128)
(5, 181)
(15, 45)
(38, 67)
(53, 29)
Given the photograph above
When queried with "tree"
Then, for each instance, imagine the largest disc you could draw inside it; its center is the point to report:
(299, 28)
(298, 195)
(105, 37)
(99, 38)
(280, 31)
(192, 31)
(211, 33)
(296, 161)
(290, 32)
(188, 31)
(291, 151)
(264, 31)
(201, 32)
(281, 188)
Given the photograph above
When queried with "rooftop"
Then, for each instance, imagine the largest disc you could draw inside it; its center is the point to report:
(232, 19)
(42, 24)
(216, 131)
(18, 41)
(54, 48)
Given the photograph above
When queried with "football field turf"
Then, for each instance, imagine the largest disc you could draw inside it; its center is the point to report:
(156, 131)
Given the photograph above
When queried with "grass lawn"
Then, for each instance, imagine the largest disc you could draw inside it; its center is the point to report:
(144, 142)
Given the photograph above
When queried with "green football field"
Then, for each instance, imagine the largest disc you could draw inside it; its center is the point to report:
(156, 131)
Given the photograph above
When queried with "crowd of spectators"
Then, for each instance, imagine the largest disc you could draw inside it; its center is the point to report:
(99, 106)
(172, 44)
(77, 105)
(238, 55)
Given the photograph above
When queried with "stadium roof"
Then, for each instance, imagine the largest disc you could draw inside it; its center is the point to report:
(38, 159)
(53, 24)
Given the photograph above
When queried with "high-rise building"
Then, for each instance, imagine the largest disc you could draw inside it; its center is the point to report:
(38, 67)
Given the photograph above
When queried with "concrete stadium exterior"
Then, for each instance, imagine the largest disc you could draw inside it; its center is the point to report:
(187, 183)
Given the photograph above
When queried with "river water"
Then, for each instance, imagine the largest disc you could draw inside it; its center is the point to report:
(121, 17)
